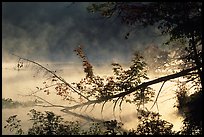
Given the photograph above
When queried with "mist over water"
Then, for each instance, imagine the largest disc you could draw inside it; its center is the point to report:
(16, 83)
(51, 31)
(48, 33)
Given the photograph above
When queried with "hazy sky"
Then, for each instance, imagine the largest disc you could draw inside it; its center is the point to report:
(50, 31)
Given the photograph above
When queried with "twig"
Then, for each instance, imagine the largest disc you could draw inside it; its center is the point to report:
(168, 99)
(157, 107)
(103, 107)
(115, 104)
(87, 107)
(120, 105)
(43, 89)
(158, 94)
(58, 77)
(93, 107)
(50, 104)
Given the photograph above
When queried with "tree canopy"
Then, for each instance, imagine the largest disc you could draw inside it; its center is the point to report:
(181, 21)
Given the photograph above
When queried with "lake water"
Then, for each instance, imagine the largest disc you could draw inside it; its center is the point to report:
(16, 83)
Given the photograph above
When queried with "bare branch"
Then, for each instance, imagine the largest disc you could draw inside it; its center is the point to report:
(43, 88)
(115, 104)
(54, 74)
(84, 104)
(93, 107)
(157, 107)
(158, 95)
(87, 107)
(120, 105)
(103, 107)
(168, 99)
(50, 104)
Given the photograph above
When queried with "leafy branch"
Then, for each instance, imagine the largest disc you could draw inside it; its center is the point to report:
(125, 82)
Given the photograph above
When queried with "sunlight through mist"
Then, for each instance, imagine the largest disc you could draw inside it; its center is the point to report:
(16, 83)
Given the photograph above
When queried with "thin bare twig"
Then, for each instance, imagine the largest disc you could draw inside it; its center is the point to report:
(93, 107)
(54, 74)
(115, 104)
(158, 94)
(50, 104)
(157, 107)
(43, 89)
(103, 107)
(168, 99)
(120, 105)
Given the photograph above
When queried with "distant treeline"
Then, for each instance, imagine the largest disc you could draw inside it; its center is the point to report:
(9, 103)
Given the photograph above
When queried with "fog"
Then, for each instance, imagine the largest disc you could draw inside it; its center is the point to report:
(48, 33)
(51, 31)
(17, 83)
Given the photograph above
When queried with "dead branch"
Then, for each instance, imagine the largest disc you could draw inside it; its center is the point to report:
(115, 104)
(53, 73)
(50, 104)
(158, 95)
(103, 106)
(120, 105)
(43, 89)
